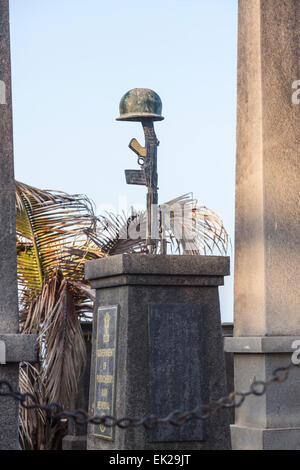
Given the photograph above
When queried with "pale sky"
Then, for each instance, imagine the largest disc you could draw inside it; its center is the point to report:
(72, 60)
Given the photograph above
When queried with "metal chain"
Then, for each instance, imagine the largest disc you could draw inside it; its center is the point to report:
(176, 418)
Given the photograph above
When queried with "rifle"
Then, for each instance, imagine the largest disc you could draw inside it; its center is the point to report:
(147, 176)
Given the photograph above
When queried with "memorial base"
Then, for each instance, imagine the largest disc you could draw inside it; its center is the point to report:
(157, 347)
(74, 442)
(275, 424)
(15, 349)
(248, 438)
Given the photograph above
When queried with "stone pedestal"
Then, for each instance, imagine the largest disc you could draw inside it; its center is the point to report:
(267, 249)
(157, 346)
(269, 422)
(227, 330)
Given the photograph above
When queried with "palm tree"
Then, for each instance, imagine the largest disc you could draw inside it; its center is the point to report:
(56, 234)
(52, 246)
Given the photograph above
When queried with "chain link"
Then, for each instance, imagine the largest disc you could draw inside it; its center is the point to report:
(55, 411)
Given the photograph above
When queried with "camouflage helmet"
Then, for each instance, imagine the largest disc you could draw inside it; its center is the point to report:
(140, 103)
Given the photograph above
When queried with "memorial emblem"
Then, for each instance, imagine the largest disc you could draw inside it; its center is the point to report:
(105, 367)
(145, 106)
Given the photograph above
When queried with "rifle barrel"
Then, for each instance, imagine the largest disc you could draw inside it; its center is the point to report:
(151, 144)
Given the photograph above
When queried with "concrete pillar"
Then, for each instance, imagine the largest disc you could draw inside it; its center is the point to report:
(8, 266)
(157, 347)
(227, 331)
(17, 347)
(267, 236)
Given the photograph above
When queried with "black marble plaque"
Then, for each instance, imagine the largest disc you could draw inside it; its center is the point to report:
(105, 373)
(176, 367)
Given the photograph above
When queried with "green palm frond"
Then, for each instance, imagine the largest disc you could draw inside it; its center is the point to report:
(48, 223)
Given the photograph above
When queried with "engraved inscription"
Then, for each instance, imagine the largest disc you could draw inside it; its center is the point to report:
(105, 379)
(105, 367)
(107, 352)
(106, 328)
(176, 345)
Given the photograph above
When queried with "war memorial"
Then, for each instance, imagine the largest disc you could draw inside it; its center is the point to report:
(157, 372)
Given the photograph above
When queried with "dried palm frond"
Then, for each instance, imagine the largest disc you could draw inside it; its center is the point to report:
(55, 318)
(188, 229)
(62, 362)
(33, 421)
(37, 432)
(118, 234)
(193, 229)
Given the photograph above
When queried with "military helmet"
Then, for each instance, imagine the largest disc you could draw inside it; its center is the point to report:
(140, 103)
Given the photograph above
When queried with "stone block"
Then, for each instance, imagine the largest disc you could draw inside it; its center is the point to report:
(134, 283)
(20, 348)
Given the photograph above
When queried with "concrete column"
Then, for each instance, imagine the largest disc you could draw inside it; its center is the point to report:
(227, 331)
(8, 266)
(267, 237)
(157, 347)
(16, 347)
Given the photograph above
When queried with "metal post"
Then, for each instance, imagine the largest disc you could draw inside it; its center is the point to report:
(151, 144)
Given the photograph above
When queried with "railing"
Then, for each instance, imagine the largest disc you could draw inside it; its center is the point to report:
(55, 411)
